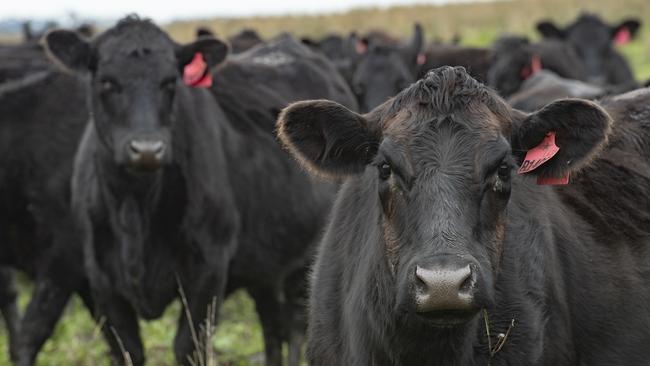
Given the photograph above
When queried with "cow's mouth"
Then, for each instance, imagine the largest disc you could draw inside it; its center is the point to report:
(144, 166)
(447, 318)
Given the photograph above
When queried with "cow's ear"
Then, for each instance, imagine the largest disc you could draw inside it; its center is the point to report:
(626, 30)
(68, 50)
(548, 29)
(327, 138)
(202, 32)
(213, 51)
(580, 129)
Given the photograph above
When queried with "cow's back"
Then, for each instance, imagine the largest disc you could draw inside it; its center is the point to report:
(283, 208)
(42, 116)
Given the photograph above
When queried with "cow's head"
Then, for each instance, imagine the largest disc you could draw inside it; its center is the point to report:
(512, 61)
(440, 163)
(382, 70)
(593, 41)
(339, 50)
(135, 71)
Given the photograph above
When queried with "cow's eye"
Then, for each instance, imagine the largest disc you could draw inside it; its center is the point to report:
(384, 171)
(504, 172)
(110, 86)
(168, 85)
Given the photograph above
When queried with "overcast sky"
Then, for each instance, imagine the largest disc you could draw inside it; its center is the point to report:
(166, 10)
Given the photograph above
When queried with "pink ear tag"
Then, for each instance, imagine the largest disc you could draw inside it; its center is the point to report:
(196, 73)
(622, 37)
(535, 65)
(539, 154)
(361, 47)
(422, 59)
(530, 70)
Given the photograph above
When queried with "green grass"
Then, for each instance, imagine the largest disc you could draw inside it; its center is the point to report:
(77, 340)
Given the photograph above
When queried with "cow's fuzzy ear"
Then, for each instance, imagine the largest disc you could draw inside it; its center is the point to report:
(630, 26)
(213, 51)
(548, 29)
(68, 50)
(202, 32)
(580, 128)
(327, 138)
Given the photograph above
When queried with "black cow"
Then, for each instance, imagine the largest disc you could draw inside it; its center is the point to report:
(240, 42)
(545, 87)
(340, 50)
(153, 211)
(19, 60)
(383, 69)
(287, 71)
(175, 187)
(40, 132)
(439, 253)
(475, 60)
(513, 60)
(244, 40)
(593, 40)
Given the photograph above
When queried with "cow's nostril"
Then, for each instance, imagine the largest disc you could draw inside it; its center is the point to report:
(158, 147)
(147, 148)
(468, 283)
(134, 147)
(444, 288)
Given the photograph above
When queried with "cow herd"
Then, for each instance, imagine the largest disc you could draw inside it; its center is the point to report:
(384, 201)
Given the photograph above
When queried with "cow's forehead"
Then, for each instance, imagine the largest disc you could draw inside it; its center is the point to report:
(416, 118)
(134, 39)
(447, 91)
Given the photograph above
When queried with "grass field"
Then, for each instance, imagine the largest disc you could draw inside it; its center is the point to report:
(77, 340)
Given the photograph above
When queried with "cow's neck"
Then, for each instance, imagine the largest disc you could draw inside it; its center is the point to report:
(121, 185)
(132, 202)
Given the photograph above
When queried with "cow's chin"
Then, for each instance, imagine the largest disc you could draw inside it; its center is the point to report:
(447, 318)
(144, 167)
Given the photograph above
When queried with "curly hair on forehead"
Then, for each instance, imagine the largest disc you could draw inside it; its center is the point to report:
(446, 90)
(131, 24)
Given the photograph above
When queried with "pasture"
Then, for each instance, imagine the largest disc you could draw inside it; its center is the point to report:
(238, 340)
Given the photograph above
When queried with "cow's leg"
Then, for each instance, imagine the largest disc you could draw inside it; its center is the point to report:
(296, 314)
(120, 328)
(9, 309)
(272, 317)
(201, 298)
(43, 311)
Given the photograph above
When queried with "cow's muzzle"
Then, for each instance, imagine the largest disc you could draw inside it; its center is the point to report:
(146, 155)
(445, 291)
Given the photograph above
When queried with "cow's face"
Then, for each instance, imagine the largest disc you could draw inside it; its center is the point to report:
(382, 70)
(380, 74)
(441, 159)
(135, 72)
(511, 63)
(593, 41)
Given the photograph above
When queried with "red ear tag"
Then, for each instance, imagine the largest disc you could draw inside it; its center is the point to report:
(551, 181)
(622, 37)
(422, 59)
(530, 70)
(196, 73)
(539, 154)
(361, 47)
(535, 64)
